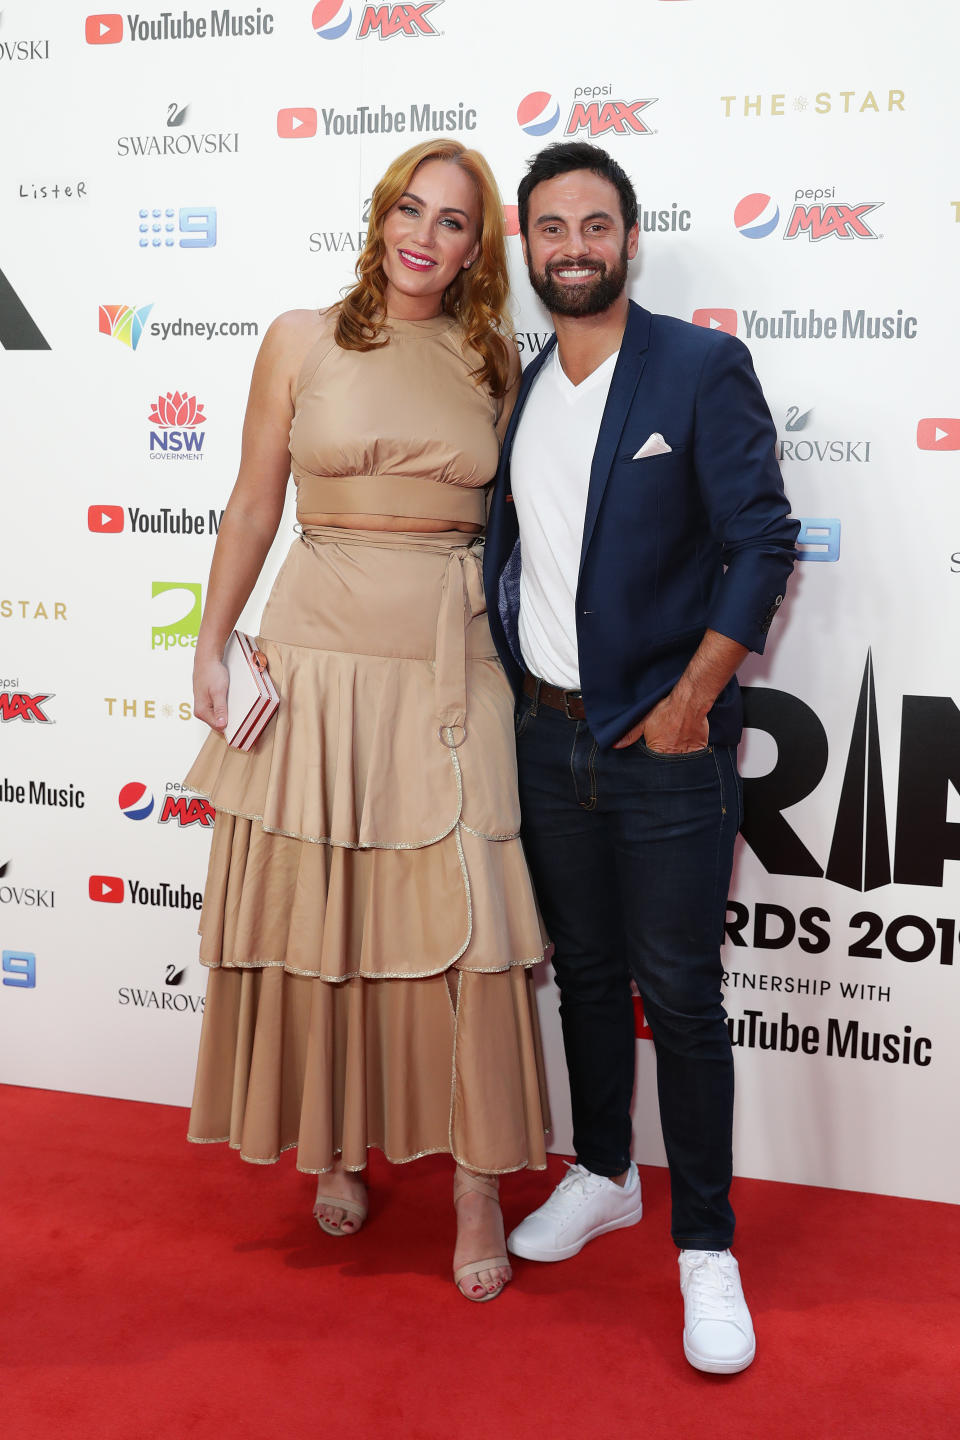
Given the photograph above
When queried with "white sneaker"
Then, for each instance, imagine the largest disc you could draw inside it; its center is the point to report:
(582, 1207)
(717, 1329)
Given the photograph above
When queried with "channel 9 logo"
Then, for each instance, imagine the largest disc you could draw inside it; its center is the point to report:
(20, 969)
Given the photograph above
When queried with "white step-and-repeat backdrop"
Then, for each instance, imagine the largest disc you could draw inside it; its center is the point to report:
(172, 179)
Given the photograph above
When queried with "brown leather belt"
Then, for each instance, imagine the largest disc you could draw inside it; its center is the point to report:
(569, 701)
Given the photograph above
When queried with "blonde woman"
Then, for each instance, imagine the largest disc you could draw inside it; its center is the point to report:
(368, 918)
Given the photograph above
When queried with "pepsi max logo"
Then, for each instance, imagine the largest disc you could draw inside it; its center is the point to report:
(756, 216)
(819, 222)
(538, 113)
(136, 801)
(187, 810)
(332, 18)
(612, 117)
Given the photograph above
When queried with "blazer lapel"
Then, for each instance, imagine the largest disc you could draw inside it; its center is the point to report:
(626, 378)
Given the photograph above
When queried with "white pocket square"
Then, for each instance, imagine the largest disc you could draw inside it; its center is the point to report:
(653, 445)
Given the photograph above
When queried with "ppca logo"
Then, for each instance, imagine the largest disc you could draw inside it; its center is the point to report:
(591, 113)
(332, 19)
(177, 606)
(756, 216)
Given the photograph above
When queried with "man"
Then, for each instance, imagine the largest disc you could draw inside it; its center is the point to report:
(639, 486)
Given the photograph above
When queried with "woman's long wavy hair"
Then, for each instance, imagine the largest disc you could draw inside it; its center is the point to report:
(478, 296)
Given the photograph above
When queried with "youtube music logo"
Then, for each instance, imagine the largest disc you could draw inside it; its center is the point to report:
(939, 434)
(725, 320)
(104, 29)
(297, 124)
(105, 519)
(106, 888)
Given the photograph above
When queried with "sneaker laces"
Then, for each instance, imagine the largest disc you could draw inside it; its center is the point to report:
(711, 1288)
(577, 1182)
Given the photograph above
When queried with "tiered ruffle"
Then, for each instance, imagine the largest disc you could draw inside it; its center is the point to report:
(368, 918)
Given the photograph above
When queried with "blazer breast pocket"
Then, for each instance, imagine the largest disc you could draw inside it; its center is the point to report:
(649, 464)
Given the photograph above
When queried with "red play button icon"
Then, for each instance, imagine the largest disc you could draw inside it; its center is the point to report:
(108, 888)
(297, 124)
(725, 320)
(939, 434)
(105, 519)
(104, 29)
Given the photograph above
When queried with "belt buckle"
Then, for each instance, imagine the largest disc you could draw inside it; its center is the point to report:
(567, 696)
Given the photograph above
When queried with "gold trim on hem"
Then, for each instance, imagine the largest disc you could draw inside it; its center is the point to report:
(524, 964)
(356, 1169)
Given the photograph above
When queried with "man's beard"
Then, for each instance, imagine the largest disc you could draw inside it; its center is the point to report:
(592, 297)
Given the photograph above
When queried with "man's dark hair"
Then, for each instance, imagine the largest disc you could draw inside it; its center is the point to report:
(576, 155)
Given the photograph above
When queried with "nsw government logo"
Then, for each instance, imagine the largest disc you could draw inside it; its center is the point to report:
(176, 608)
(176, 416)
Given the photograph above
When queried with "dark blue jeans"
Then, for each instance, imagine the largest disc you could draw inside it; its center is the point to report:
(630, 853)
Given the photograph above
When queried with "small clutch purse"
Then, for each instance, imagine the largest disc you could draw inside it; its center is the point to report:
(252, 699)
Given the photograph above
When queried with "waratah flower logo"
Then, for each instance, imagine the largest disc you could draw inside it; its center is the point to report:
(177, 412)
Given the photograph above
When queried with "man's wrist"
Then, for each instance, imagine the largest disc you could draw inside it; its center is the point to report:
(690, 698)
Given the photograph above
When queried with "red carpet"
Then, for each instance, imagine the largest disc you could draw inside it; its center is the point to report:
(152, 1289)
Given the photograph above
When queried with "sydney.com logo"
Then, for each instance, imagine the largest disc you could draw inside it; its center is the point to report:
(128, 324)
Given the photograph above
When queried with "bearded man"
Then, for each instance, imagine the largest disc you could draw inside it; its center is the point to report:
(638, 548)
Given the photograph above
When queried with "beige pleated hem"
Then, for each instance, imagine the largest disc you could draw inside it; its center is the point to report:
(404, 1067)
(368, 919)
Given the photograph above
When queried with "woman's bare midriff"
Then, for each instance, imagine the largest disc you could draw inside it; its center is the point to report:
(391, 522)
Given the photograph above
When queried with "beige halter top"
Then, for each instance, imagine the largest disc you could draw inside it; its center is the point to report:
(399, 430)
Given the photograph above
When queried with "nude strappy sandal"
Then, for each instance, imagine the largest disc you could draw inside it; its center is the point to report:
(352, 1207)
(463, 1182)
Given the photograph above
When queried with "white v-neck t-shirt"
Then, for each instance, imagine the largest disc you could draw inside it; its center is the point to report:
(550, 476)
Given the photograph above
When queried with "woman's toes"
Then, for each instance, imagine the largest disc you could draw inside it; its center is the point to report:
(494, 1279)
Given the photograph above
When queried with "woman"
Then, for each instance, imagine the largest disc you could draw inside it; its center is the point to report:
(368, 916)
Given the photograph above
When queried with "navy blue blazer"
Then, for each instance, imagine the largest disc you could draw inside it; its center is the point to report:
(673, 545)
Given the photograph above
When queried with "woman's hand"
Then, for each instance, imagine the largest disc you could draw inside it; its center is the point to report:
(211, 680)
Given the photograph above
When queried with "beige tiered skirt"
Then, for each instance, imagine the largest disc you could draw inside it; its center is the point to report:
(368, 918)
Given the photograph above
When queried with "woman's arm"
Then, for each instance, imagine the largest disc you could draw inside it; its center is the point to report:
(253, 511)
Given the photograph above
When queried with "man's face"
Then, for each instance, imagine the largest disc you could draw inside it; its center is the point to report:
(576, 247)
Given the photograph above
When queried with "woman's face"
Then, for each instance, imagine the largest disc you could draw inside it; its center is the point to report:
(429, 236)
